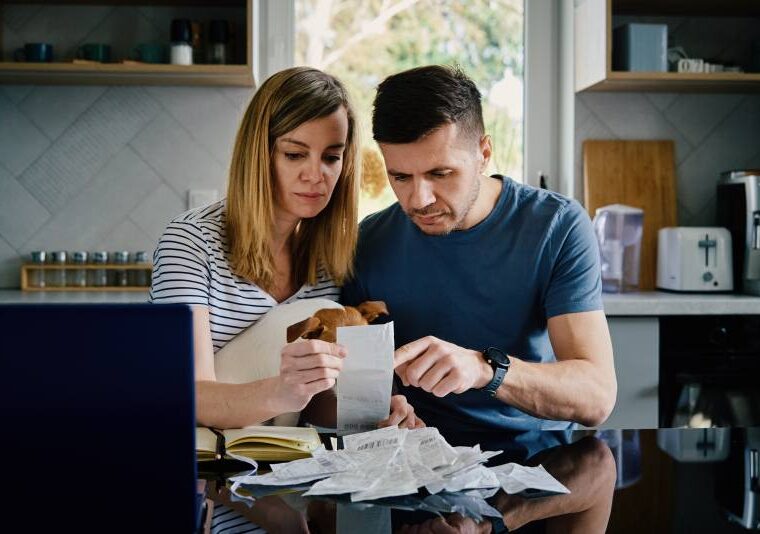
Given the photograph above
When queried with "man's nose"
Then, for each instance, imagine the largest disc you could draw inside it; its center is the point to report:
(422, 194)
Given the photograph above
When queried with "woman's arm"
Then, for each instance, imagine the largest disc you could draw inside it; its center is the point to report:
(307, 368)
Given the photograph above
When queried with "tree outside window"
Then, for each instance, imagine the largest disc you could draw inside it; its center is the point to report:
(363, 41)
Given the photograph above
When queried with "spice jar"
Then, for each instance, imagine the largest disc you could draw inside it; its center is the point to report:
(57, 277)
(140, 277)
(99, 277)
(120, 257)
(37, 276)
(78, 277)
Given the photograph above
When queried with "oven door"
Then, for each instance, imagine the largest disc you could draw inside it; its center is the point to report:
(709, 369)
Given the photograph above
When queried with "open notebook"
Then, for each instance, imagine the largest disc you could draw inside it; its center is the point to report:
(261, 443)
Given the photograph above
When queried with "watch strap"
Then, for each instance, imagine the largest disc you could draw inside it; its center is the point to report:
(498, 377)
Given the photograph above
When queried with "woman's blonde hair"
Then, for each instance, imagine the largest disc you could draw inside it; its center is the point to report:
(283, 102)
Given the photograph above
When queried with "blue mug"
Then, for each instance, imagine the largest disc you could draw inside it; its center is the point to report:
(35, 53)
(149, 53)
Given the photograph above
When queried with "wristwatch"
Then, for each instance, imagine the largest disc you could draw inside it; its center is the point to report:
(499, 361)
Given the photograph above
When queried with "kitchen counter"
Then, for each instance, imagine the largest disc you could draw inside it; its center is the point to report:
(16, 296)
(656, 303)
(643, 303)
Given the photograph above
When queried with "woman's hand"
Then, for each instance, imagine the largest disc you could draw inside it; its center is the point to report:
(307, 367)
(402, 414)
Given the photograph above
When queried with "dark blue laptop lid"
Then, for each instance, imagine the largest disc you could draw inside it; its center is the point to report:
(98, 406)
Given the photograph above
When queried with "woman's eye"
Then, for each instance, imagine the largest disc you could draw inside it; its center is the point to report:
(293, 156)
(332, 158)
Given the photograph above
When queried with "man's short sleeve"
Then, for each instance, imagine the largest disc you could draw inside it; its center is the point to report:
(575, 283)
(180, 266)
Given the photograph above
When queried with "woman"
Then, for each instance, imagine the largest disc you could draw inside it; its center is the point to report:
(286, 231)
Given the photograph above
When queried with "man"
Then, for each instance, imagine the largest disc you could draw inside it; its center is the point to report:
(494, 286)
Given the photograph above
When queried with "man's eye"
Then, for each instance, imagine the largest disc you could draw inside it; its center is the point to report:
(293, 156)
(400, 177)
(441, 174)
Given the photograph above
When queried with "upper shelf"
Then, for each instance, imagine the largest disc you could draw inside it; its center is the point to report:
(63, 72)
(692, 8)
(125, 74)
(593, 47)
(679, 82)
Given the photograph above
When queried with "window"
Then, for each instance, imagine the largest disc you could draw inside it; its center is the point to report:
(362, 42)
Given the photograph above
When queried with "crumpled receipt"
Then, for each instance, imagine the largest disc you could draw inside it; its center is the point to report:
(392, 462)
(364, 385)
(516, 478)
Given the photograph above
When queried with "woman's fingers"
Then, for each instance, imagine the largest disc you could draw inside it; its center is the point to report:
(318, 386)
(312, 361)
(310, 375)
(314, 346)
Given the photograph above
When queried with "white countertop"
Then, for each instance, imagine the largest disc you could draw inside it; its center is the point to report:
(664, 303)
(16, 296)
(641, 303)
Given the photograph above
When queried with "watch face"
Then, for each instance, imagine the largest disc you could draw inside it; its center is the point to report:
(497, 356)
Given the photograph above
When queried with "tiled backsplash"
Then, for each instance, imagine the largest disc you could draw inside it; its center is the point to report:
(712, 133)
(106, 167)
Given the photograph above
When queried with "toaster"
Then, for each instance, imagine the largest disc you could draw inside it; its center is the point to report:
(694, 259)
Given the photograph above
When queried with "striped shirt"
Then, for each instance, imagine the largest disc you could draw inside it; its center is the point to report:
(191, 266)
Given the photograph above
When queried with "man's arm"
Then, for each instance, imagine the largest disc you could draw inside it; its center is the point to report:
(580, 386)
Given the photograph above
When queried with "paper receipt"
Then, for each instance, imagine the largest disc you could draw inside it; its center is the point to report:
(364, 385)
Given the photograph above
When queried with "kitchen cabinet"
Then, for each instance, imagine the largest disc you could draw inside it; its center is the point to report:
(64, 71)
(595, 19)
(635, 342)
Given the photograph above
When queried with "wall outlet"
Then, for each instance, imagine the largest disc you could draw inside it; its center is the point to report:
(201, 197)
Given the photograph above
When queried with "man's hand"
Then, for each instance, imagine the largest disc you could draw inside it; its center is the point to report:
(440, 367)
(402, 414)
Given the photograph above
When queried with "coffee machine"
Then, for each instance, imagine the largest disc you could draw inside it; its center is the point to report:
(739, 211)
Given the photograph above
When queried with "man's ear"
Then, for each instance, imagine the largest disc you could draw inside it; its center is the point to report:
(308, 328)
(486, 150)
(371, 309)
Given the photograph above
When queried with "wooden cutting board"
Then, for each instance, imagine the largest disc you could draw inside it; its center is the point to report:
(639, 174)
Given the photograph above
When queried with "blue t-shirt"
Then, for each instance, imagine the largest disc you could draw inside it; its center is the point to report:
(494, 285)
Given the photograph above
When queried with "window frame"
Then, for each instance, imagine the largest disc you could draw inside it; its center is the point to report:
(545, 121)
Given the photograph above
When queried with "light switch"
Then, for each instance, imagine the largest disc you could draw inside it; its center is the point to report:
(201, 197)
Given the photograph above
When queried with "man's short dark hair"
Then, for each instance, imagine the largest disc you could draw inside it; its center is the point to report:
(411, 104)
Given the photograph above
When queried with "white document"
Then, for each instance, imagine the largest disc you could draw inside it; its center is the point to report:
(515, 478)
(364, 385)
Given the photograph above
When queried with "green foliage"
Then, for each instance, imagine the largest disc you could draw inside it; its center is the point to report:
(362, 42)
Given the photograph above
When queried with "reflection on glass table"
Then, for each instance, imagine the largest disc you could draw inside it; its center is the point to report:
(667, 480)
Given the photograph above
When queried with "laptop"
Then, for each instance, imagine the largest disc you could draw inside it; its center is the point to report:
(98, 417)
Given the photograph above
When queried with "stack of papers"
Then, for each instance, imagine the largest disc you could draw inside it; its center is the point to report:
(392, 462)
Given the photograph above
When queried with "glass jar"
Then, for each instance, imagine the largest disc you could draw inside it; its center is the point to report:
(78, 277)
(120, 257)
(139, 277)
(217, 42)
(57, 277)
(36, 277)
(98, 277)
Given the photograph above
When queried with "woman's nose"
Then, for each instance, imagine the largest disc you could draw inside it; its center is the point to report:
(312, 171)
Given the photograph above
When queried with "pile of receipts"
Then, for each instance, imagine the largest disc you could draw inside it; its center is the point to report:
(391, 462)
